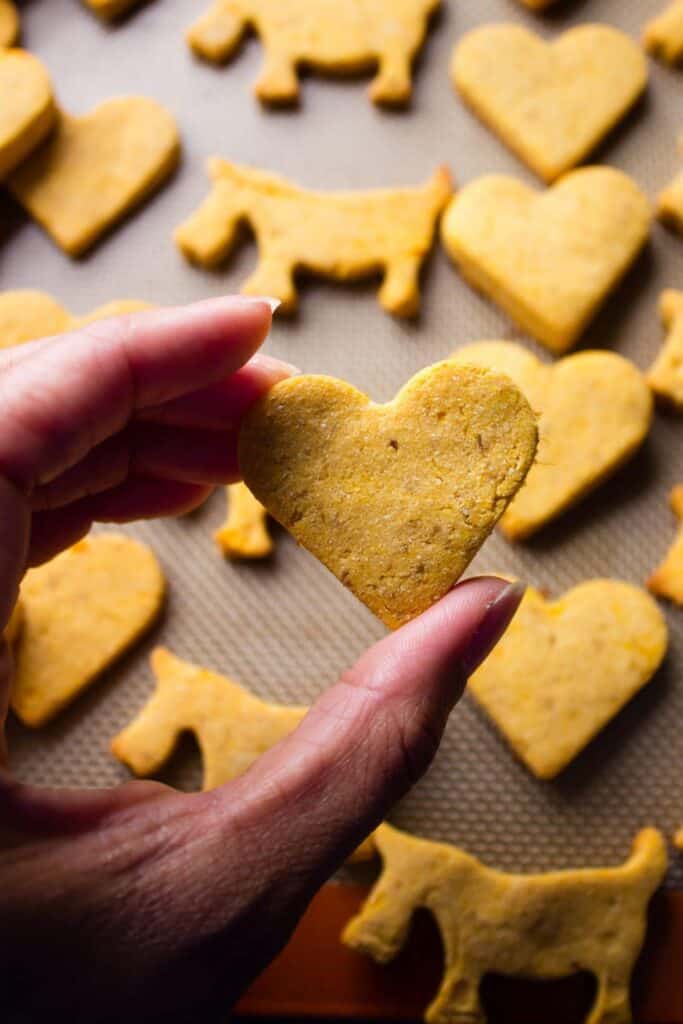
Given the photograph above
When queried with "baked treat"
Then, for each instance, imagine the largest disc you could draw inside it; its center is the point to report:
(354, 36)
(663, 35)
(341, 235)
(595, 410)
(667, 580)
(95, 169)
(394, 499)
(27, 110)
(552, 102)
(549, 259)
(81, 611)
(665, 376)
(564, 668)
(26, 315)
(533, 926)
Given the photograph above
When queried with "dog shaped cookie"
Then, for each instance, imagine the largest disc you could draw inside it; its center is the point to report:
(9, 23)
(536, 926)
(342, 38)
(232, 726)
(667, 580)
(244, 533)
(670, 202)
(665, 376)
(342, 235)
(663, 36)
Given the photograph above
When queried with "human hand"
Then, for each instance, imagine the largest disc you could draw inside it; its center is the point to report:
(140, 900)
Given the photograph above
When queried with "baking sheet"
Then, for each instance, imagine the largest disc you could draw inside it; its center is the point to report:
(286, 628)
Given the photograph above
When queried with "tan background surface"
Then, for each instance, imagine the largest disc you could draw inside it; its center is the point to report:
(286, 628)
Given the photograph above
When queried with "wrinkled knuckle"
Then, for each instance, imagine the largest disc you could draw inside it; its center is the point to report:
(417, 741)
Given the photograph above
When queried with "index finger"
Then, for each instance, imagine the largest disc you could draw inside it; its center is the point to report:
(71, 394)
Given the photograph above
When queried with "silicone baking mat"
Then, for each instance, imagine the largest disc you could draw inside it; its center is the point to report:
(285, 628)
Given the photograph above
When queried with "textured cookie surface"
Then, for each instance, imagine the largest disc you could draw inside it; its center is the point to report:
(534, 926)
(670, 202)
(349, 37)
(9, 23)
(665, 376)
(94, 169)
(81, 611)
(663, 36)
(244, 533)
(564, 668)
(394, 499)
(27, 110)
(667, 580)
(342, 235)
(594, 408)
(551, 103)
(26, 315)
(550, 258)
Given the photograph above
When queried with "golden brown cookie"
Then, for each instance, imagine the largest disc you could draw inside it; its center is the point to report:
(549, 259)
(667, 580)
(533, 926)
(95, 169)
(565, 668)
(109, 10)
(341, 235)
(244, 533)
(26, 315)
(665, 376)
(394, 499)
(663, 36)
(27, 109)
(552, 102)
(231, 725)
(81, 611)
(595, 410)
(670, 202)
(9, 23)
(351, 37)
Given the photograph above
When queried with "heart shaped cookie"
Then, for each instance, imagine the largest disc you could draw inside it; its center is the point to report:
(549, 259)
(80, 612)
(26, 314)
(394, 499)
(96, 168)
(595, 409)
(551, 103)
(564, 668)
(9, 23)
(27, 109)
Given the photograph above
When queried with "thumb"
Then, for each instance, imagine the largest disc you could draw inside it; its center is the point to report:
(370, 737)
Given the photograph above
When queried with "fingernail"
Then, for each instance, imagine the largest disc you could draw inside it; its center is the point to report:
(493, 623)
(273, 363)
(268, 299)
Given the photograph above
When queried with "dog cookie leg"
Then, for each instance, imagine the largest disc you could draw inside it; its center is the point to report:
(458, 1001)
(393, 82)
(206, 237)
(278, 81)
(400, 293)
(274, 277)
(612, 1001)
(148, 742)
(217, 34)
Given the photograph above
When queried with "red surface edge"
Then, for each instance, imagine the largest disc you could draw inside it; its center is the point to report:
(316, 976)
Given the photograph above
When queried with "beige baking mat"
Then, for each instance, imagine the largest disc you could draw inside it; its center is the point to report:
(286, 628)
